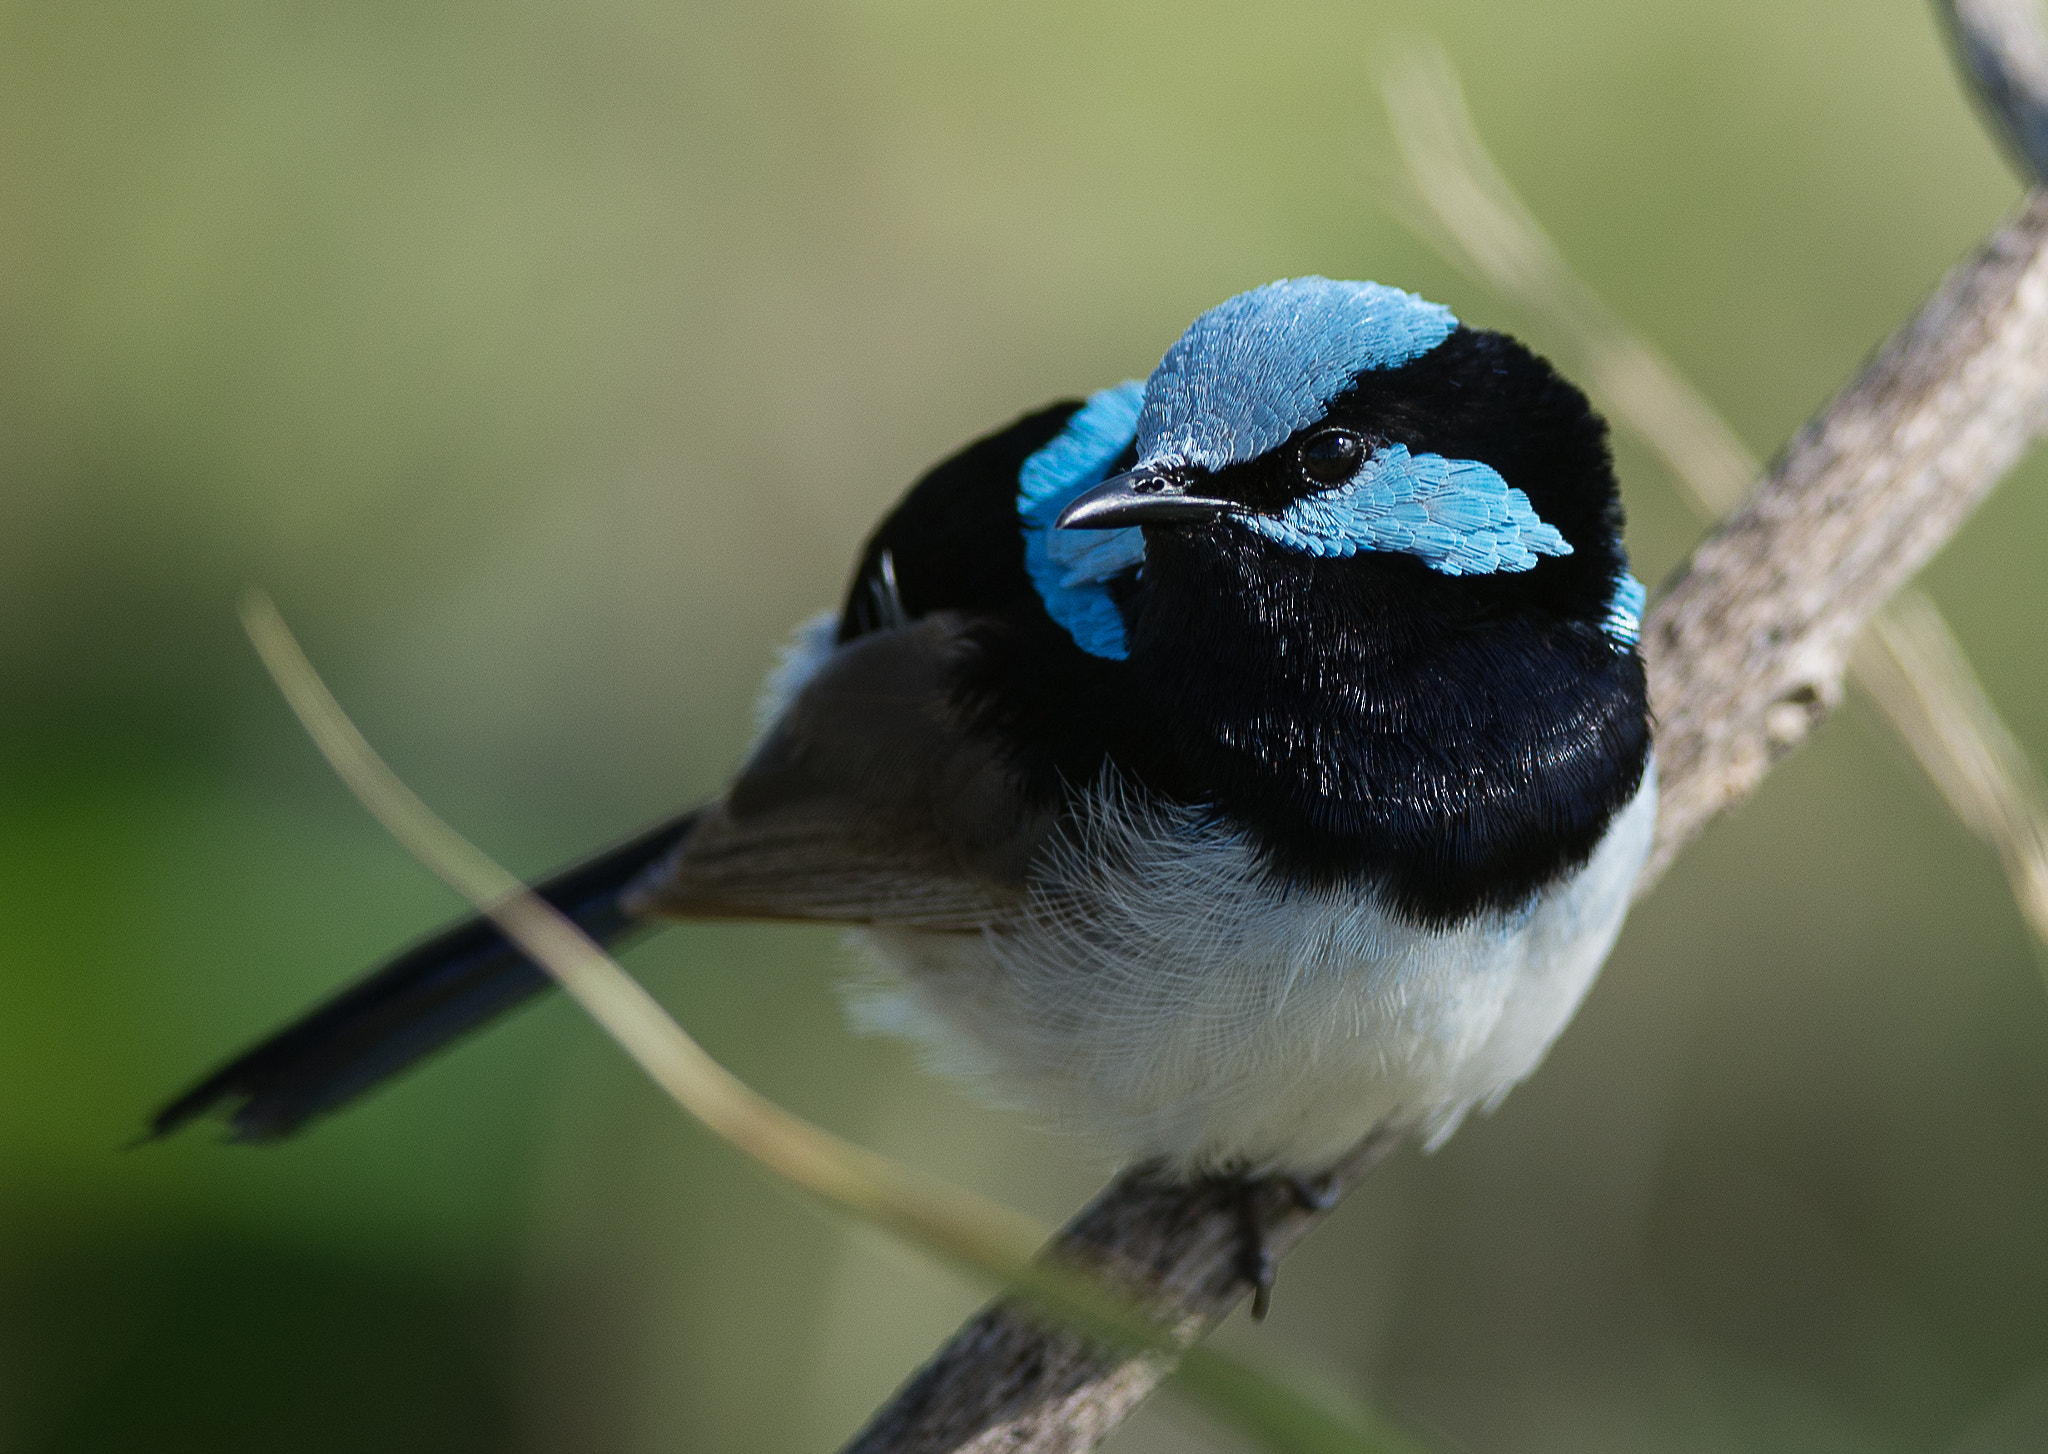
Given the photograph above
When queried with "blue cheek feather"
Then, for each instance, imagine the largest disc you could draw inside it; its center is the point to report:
(1072, 568)
(1457, 516)
(1252, 371)
(1625, 611)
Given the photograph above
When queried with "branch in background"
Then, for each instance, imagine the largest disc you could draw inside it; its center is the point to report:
(2003, 48)
(1908, 662)
(1746, 654)
(1477, 221)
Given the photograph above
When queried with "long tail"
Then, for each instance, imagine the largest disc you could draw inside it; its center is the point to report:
(426, 996)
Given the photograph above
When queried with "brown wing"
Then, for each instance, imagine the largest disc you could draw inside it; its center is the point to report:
(867, 802)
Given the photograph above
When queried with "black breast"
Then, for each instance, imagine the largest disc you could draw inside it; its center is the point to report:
(1370, 718)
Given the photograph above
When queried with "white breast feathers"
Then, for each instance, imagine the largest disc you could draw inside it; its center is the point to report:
(1160, 996)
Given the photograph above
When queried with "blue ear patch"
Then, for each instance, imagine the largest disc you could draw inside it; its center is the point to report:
(1072, 568)
(1255, 369)
(1624, 621)
(1457, 515)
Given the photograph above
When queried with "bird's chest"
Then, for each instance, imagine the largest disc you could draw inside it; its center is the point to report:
(1160, 992)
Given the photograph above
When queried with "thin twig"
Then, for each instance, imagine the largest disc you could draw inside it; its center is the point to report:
(1909, 663)
(1747, 650)
(969, 1228)
(971, 1231)
(1484, 227)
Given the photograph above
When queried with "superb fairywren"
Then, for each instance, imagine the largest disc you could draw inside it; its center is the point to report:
(1226, 767)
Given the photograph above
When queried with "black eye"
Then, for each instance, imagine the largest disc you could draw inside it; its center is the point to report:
(1332, 457)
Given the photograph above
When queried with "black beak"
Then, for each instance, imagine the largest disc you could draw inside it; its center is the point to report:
(1139, 497)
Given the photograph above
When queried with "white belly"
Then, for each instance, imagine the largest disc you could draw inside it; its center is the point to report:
(1157, 999)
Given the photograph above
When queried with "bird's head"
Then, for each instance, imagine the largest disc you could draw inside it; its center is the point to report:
(1311, 434)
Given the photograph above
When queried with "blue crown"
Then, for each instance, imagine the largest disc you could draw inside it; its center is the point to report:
(1253, 370)
(1246, 376)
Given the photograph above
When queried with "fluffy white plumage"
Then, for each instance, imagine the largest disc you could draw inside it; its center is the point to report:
(1161, 999)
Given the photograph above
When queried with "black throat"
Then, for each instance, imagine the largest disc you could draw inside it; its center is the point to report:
(1372, 719)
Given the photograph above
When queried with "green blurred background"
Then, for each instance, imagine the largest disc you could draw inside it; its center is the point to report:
(547, 360)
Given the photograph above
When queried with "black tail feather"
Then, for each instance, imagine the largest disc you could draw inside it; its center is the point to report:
(422, 999)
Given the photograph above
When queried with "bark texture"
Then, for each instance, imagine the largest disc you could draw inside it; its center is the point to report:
(1747, 649)
(1011, 1382)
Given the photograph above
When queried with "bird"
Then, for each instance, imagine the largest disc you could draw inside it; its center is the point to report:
(1225, 766)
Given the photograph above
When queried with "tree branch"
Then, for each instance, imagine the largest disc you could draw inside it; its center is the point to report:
(1010, 1381)
(1746, 654)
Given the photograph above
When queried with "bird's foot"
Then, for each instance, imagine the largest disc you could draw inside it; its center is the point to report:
(1315, 1193)
(1257, 1262)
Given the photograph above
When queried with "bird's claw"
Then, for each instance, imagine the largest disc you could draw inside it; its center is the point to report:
(1315, 1193)
(1256, 1262)
(1260, 1267)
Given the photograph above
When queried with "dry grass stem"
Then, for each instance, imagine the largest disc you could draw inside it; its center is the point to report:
(970, 1229)
(1912, 667)
(1909, 663)
(966, 1229)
